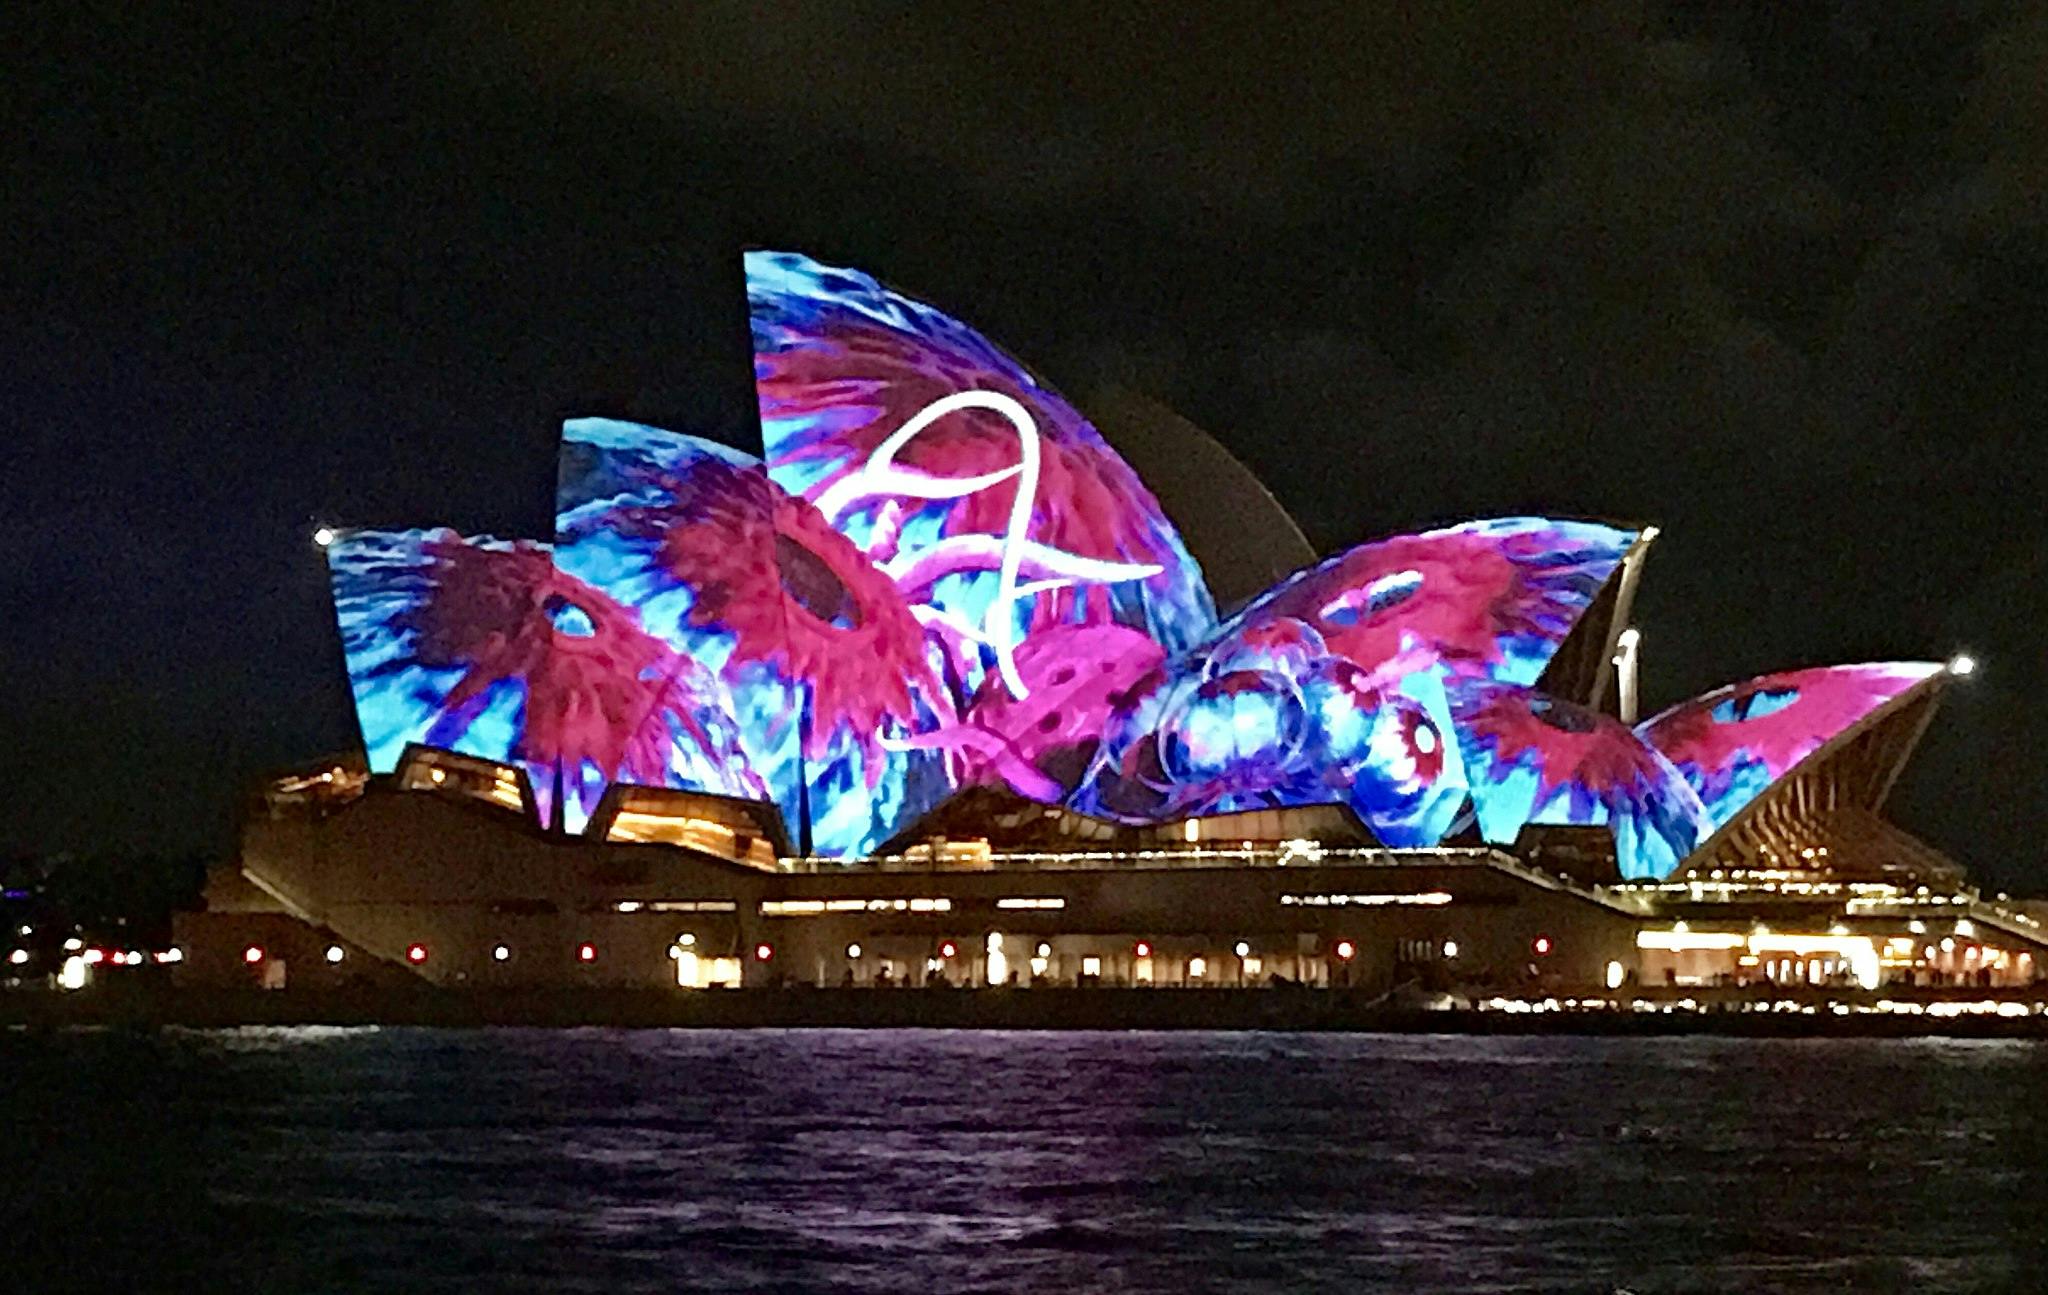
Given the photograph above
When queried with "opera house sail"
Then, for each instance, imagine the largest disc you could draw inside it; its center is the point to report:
(939, 576)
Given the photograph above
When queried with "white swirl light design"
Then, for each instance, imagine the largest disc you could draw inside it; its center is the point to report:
(1010, 553)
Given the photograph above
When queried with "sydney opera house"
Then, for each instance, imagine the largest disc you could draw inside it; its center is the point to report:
(937, 689)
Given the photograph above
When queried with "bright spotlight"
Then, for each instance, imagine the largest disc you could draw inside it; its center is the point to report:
(324, 536)
(1962, 663)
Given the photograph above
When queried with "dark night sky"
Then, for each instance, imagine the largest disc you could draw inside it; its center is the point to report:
(1770, 276)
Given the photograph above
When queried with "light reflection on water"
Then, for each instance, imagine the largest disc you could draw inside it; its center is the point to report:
(601, 1160)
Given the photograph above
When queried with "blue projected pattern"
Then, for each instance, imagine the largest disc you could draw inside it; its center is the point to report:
(1735, 741)
(940, 577)
(1533, 758)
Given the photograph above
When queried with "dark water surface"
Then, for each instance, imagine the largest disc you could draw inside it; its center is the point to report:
(603, 1160)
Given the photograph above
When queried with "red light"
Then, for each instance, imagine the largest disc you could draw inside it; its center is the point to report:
(416, 953)
(586, 953)
(251, 955)
(1542, 946)
(763, 952)
(1345, 949)
(1143, 950)
(948, 949)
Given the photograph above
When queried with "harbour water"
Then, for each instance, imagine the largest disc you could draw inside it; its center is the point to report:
(309, 1159)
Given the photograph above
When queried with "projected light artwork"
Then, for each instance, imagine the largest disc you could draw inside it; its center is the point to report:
(1538, 759)
(940, 576)
(492, 650)
(1733, 742)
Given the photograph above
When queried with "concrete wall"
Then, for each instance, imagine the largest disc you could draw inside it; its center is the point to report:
(399, 871)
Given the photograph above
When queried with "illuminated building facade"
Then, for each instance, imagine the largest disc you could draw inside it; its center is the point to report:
(938, 644)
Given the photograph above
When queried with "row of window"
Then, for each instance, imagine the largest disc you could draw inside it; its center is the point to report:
(685, 944)
(415, 953)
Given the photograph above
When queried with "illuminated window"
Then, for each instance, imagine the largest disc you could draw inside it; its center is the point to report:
(1025, 903)
(814, 907)
(1091, 966)
(1198, 968)
(1424, 899)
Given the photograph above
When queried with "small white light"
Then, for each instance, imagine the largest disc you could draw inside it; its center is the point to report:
(73, 945)
(1616, 973)
(18, 957)
(688, 939)
(1044, 950)
(500, 952)
(334, 953)
(1450, 948)
(28, 930)
(324, 536)
(1962, 663)
(853, 951)
(1241, 949)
